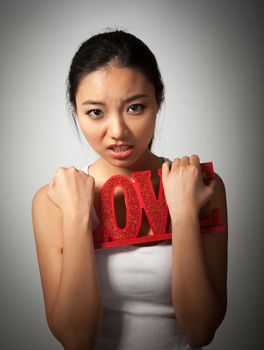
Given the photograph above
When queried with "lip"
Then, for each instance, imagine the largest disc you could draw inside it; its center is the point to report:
(120, 154)
(119, 144)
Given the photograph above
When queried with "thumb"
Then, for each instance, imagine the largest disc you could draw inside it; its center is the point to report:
(165, 169)
(211, 187)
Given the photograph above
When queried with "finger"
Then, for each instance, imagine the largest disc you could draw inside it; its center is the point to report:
(175, 163)
(194, 159)
(185, 160)
(210, 187)
(165, 168)
(91, 179)
(72, 168)
(61, 168)
(92, 186)
(212, 183)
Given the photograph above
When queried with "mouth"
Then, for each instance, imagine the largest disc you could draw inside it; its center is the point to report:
(119, 148)
(120, 151)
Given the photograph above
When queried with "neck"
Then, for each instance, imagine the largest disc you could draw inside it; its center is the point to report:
(147, 161)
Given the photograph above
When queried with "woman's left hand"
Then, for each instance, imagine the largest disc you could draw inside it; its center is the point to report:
(185, 191)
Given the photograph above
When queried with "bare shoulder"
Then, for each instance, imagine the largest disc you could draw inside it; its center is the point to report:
(215, 243)
(40, 198)
(47, 224)
(42, 201)
(218, 200)
(220, 192)
(216, 240)
(46, 217)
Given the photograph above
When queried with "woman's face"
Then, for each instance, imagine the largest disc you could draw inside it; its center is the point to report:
(117, 108)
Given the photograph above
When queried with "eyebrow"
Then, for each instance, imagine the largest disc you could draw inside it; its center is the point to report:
(129, 99)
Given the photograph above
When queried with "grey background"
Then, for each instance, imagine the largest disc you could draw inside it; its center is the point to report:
(211, 56)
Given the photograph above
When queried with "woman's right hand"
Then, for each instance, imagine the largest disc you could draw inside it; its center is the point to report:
(61, 218)
(72, 191)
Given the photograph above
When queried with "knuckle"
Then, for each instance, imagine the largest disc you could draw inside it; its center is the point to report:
(194, 156)
(184, 159)
(89, 177)
(176, 159)
(91, 180)
(60, 170)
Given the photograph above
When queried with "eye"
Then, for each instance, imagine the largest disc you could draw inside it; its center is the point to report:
(137, 107)
(94, 113)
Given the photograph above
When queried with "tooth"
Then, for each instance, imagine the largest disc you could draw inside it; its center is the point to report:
(120, 148)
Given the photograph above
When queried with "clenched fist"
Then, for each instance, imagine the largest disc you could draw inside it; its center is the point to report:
(184, 188)
(72, 191)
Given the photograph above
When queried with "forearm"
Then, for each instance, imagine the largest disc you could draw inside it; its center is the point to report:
(196, 304)
(77, 309)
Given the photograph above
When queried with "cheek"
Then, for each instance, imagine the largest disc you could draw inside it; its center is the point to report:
(146, 132)
(149, 127)
(92, 135)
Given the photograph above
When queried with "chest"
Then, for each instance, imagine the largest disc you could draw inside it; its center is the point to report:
(135, 274)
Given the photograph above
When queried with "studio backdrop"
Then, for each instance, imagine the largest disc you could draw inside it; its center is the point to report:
(210, 55)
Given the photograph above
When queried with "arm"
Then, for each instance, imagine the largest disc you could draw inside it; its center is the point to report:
(69, 280)
(199, 266)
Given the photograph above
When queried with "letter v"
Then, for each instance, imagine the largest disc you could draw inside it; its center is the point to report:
(156, 209)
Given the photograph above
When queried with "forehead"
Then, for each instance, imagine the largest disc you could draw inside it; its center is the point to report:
(113, 82)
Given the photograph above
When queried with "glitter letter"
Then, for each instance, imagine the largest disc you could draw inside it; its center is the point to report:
(108, 227)
(156, 209)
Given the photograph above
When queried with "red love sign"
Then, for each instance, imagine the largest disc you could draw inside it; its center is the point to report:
(139, 195)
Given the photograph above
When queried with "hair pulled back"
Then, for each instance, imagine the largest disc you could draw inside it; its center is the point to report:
(117, 48)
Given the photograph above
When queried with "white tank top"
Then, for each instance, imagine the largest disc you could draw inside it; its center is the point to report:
(135, 284)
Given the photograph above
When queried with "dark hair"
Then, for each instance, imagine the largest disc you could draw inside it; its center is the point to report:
(115, 47)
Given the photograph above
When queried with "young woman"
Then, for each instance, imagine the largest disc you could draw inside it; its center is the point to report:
(164, 295)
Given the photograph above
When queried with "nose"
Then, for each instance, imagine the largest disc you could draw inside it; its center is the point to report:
(117, 127)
